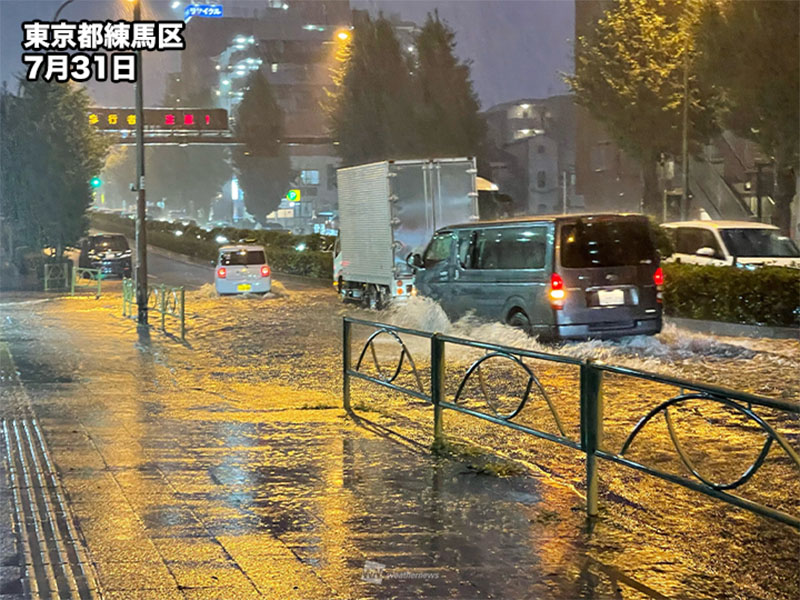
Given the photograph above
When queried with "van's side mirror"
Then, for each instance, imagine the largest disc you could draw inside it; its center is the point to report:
(706, 251)
(414, 261)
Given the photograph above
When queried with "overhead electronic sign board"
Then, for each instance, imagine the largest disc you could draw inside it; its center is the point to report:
(171, 119)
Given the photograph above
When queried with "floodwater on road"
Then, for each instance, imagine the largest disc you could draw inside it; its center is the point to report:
(244, 430)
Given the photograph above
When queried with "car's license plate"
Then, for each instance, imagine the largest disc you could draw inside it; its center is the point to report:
(243, 287)
(610, 297)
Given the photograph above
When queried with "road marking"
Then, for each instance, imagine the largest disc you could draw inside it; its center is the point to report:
(56, 563)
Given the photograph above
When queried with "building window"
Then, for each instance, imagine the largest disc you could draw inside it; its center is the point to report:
(309, 176)
(274, 67)
(601, 157)
(541, 179)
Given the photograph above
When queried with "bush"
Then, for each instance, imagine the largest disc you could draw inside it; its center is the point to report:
(762, 296)
(201, 244)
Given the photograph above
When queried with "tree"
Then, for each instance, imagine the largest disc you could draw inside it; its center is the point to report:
(262, 165)
(749, 51)
(188, 177)
(371, 108)
(448, 120)
(50, 152)
(629, 76)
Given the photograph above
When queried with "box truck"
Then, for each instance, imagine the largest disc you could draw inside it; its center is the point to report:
(390, 209)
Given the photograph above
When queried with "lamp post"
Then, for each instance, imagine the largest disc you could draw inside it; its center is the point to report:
(141, 202)
(685, 136)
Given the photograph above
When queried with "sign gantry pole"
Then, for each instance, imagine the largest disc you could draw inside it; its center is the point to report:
(141, 201)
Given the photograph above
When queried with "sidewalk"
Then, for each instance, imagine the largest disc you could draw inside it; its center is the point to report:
(180, 479)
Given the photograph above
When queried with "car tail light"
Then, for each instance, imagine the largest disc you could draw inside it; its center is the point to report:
(265, 270)
(557, 292)
(222, 272)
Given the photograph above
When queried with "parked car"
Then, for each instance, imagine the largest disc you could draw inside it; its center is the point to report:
(242, 269)
(722, 243)
(558, 277)
(108, 252)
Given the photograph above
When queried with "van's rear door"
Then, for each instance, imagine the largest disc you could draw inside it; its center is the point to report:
(607, 263)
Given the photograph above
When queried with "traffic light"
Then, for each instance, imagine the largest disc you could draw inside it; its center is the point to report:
(95, 182)
(293, 195)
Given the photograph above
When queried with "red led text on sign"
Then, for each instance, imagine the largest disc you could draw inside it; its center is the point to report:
(187, 119)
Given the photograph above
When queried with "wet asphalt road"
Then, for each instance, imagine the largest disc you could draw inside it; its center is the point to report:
(226, 469)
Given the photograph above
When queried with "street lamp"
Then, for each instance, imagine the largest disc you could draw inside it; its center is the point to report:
(141, 201)
(343, 35)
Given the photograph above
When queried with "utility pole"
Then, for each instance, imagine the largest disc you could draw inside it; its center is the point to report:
(141, 202)
(759, 215)
(685, 140)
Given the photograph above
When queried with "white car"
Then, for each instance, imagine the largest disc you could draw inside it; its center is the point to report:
(721, 243)
(242, 269)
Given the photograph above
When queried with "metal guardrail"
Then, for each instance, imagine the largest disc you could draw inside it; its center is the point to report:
(163, 300)
(591, 408)
(56, 275)
(95, 276)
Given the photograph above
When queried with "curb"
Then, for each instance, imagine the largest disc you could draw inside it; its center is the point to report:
(735, 329)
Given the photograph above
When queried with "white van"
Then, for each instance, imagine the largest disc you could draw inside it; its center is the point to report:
(720, 243)
(242, 269)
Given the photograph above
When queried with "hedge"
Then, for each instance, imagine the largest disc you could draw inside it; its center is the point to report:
(762, 296)
(315, 260)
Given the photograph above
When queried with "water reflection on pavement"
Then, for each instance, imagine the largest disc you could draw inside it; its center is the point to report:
(192, 477)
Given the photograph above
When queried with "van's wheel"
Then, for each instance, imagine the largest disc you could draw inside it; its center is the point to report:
(520, 320)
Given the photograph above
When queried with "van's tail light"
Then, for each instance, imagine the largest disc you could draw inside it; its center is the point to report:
(222, 272)
(658, 279)
(265, 270)
(557, 292)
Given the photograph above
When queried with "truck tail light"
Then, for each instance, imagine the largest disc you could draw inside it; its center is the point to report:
(265, 270)
(222, 272)
(557, 292)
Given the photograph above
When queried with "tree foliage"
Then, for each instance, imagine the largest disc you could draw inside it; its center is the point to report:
(386, 105)
(750, 52)
(49, 154)
(629, 75)
(371, 107)
(448, 119)
(262, 165)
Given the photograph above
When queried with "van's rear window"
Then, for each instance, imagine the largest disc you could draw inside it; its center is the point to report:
(242, 257)
(606, 243)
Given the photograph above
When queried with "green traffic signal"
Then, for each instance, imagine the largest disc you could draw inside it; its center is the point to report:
(95, 182)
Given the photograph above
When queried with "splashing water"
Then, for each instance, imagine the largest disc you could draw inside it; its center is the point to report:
(645, 352)
(207, 290)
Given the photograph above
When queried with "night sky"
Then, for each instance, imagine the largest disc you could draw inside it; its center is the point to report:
(518, 48)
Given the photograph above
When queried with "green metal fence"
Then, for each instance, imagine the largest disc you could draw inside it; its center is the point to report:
(56, 275)
(128, 297)
(591, 408)
(80, 275)
(162, 300)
